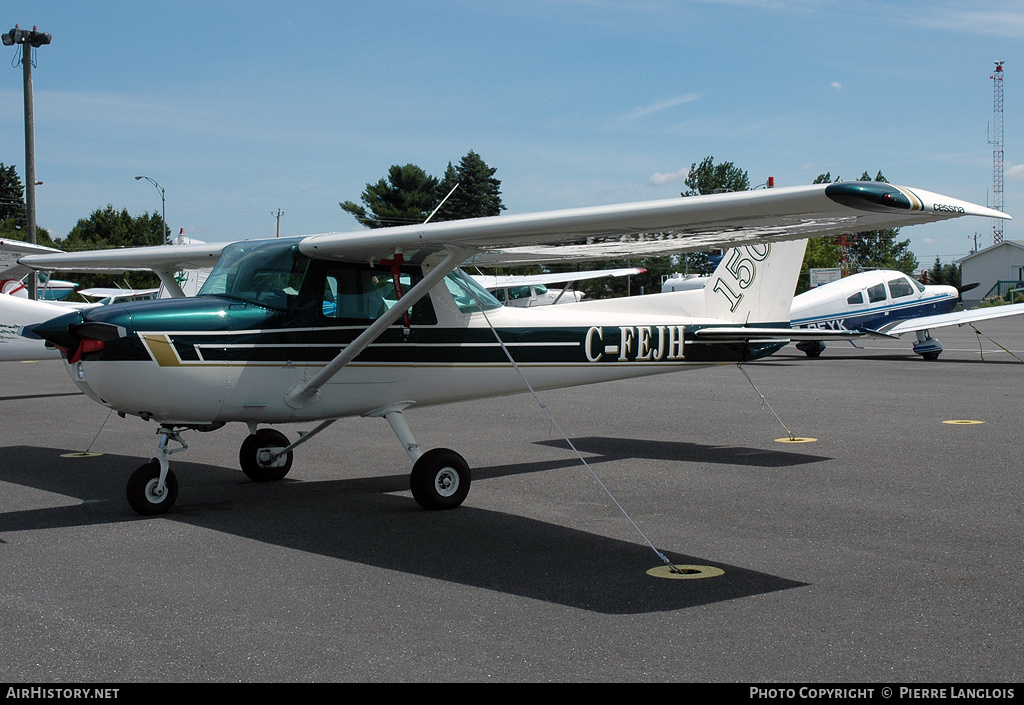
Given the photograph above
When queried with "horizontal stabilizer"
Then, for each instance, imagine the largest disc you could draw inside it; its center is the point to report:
(755, 334)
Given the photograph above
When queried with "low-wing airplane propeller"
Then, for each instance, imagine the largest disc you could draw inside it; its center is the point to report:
(370, 323)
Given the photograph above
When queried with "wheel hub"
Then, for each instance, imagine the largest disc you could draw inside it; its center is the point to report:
(154, 492)
(446, 482)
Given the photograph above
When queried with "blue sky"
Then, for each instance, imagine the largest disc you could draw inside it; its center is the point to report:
(239, 109)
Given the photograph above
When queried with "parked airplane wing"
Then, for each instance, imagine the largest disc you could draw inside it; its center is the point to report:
(957, 318)
(491, 281)
(161, 257)
(12, 250)
(656, 227)
(651, 228)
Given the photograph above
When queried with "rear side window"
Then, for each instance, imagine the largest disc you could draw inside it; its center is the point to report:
(876, 293)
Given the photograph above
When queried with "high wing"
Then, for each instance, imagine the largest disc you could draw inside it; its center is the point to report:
(654, 228)
(164, 260)
(957, 318)
(160, 257)
(641, 229)
(13, 250)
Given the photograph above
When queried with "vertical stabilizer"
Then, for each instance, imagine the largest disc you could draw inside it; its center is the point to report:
(755, 283)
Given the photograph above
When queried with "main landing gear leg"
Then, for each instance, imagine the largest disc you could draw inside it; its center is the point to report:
(153, 489)
(440, 477)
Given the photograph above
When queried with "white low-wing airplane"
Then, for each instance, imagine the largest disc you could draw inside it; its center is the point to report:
(887, 302)
(535, 290)
(311, 328)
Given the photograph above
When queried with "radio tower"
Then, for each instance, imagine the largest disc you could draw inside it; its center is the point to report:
(997, 150)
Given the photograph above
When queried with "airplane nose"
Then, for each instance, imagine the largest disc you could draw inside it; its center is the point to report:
(75, 335)
(56, 330)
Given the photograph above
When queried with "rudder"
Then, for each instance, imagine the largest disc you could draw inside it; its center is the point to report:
(755, 283)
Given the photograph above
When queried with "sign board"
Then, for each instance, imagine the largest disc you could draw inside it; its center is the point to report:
(825, 275)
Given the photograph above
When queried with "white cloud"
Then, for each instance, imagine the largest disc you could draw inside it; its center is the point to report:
(837, 85)
(645, 110)
(1015, 173)
(659, 179)
(991, 19)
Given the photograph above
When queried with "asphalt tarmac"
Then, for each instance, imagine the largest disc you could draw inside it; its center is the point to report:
(887, 550)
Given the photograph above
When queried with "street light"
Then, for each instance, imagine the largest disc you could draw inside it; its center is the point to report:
(163, 204)
(28, 41)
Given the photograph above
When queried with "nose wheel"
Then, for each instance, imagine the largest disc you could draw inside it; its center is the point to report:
(153, 489)
(147, 494)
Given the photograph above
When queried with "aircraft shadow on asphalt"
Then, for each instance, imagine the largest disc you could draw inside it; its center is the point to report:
(373, 521)
(991, 357)
(612, 449)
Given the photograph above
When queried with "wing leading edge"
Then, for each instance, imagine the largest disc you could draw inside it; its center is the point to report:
(656, 228)
(956, 318)
(650, 228)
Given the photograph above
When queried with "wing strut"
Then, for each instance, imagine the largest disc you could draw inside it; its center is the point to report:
(170, 283)
(304, 394)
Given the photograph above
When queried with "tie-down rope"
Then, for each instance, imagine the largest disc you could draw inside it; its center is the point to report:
(554, 423)
(764, 402)
(982, 352)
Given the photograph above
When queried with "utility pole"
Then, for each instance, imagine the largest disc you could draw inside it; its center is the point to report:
(278, 216)
(28, 41)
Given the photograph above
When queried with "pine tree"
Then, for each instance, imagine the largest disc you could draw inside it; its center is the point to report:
(13, 211)
(12, 196)
(478, 194)
(405, 196)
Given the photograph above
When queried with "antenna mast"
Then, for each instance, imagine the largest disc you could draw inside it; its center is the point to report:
(997, 150)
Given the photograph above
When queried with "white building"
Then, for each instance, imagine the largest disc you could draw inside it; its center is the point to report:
(996, 269)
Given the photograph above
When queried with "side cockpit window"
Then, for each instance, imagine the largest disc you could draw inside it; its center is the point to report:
(900, 287)
(361, 294)
(856, 299)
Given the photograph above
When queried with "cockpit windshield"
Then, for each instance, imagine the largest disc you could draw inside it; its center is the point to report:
(263, 273)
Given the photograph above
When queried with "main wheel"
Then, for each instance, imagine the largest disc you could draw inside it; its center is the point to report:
(143, 493)
(252, 456)
(440, 479)
(811, 348)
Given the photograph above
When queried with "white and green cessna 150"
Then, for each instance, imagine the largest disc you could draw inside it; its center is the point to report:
(370, 323)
